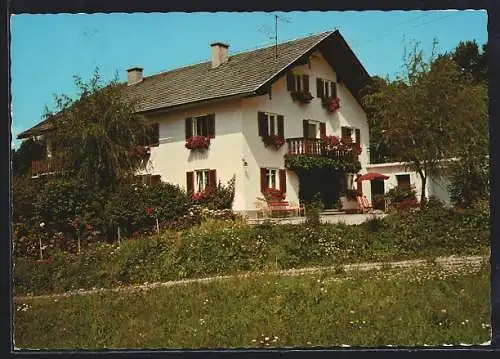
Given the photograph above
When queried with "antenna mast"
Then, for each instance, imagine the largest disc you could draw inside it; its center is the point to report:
(276, 35)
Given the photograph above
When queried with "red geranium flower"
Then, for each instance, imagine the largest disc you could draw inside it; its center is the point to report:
(197, 142)
(149, 211)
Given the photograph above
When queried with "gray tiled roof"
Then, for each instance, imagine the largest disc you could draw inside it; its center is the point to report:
(242, 74)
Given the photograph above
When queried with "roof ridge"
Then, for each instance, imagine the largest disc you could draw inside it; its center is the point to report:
(325, 33)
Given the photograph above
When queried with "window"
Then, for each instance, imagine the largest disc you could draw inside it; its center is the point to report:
(273, 178)
(147, 180)
(200, 126)
(326, 88)
(297, 82)
(346, 132)
(403, 181)
(200, 180)
(313, 129)
(270, 124)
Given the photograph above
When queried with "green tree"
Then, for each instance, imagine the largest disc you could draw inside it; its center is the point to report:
(427, 113)
(472, 62)
(96, 133)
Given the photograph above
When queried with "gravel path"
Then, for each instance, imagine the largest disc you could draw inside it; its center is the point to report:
(447, 262)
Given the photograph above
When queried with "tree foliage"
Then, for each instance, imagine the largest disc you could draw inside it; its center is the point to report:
(429, 114)
(96, 132)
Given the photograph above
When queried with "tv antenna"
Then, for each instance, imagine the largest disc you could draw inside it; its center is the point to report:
(267, 31)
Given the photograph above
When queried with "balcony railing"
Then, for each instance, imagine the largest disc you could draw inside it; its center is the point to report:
(314, 147)
(45, 167)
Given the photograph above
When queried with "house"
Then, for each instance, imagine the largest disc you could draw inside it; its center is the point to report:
(260, 116)
(399, 175)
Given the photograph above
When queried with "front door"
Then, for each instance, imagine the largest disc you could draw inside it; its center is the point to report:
(378, 192)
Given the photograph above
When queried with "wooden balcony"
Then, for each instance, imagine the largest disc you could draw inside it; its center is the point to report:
(45, 167)
(314, 147)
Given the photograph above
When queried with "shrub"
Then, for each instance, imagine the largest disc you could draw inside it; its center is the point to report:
(218, 198)
(169, 201)
(401, 198)
(126, 208)
(313, 210)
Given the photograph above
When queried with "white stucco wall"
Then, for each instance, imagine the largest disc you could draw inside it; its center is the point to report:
(434, 186)
(257, 155)
(172, 160)
(236, 136)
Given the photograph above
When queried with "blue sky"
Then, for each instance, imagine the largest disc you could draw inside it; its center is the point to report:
(47, 50)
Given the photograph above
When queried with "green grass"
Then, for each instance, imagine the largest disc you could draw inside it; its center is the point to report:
(429, 305)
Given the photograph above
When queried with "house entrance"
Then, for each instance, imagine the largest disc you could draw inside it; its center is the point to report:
(326, 183)
(378, 191)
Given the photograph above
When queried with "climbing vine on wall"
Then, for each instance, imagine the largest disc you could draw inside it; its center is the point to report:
(303, 163)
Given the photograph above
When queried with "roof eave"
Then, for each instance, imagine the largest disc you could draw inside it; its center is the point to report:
(211, 100)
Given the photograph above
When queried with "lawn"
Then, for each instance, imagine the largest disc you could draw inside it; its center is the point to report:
(428, 305)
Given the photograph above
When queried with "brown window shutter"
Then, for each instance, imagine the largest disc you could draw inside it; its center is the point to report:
(155, 179)
(346, 132)
(319, 88)
(212, 179)
(262, 124)
(322, 129)
(305, 80)
(358, 135)
(155, 141)
(290, 81)
(282, 174)
(334, 89)
(281, 126)
(263, 182)
(305, 124)
(190, 182)
(189, 127)
(211, 125)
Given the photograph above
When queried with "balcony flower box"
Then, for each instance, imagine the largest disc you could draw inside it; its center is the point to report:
(198, 143)
(332, 104)
(301, 96)
(274, 141)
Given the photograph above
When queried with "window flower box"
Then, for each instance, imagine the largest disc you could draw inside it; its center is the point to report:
(301, 96)
(274, 141)
(332, 104)
(198, 143)
(273, 194)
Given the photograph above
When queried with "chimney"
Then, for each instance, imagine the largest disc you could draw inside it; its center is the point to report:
(219, 53)
(134, 75)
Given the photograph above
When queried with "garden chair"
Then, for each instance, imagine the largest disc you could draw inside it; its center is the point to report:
(364, 205)
(262, 208)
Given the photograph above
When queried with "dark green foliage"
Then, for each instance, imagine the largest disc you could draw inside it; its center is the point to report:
(470, 182)
(399, 194)
(60, 201)
(301, 163)
(97, 131)
(221, 197)
(30, 150)
(136, 207)
(313, 210)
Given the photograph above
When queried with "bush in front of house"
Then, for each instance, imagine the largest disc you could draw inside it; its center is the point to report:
(400, 198)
